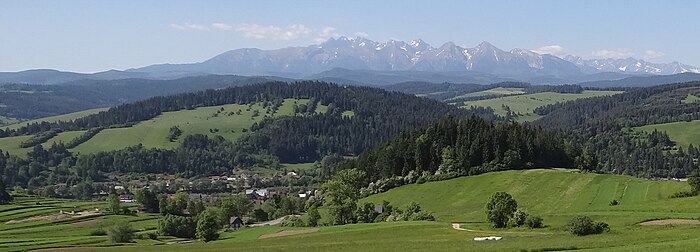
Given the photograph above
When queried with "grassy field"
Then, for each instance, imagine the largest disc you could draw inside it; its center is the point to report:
(11, 144)
(65, 117)
(7, 120)
(203, 120)
(554, 194)
(691, 99)
(525, 104)
(682, 133)
(153, 133)
(494, 91)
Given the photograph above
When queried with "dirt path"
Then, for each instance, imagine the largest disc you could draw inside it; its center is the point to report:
(457, 226)
(289, 232)
(55, 217)
(670, 222)
(272, 222)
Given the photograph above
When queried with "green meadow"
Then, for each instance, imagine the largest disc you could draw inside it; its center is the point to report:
(525, 104)
(494, 91)
(682, 133)
(229, 121)
(554, 194)
(64, 117)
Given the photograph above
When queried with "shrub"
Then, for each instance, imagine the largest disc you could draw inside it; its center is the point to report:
(584, 225)
(423, 216)
(614, 202)
(153, 236)
(313, 216)
(519, 218)
(533, 222)
(98, 232)
(684, 194)
(178, 226)
(500, 209)
(293, 221)
(121, 232)
(208, 225)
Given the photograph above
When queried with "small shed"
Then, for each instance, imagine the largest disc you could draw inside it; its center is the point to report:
(379, 209)
(235, 223)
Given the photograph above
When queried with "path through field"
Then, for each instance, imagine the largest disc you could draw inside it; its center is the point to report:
(670, 222)
(457, 226)
(272, 222)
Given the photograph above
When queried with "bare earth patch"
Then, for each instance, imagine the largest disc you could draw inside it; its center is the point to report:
(670, 222)
(289, 232)
(55, 217)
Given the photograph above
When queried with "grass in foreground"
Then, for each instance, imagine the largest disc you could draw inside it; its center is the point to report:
(555, 194)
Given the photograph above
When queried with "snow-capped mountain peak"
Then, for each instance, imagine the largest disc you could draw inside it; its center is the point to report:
(630, 65)
(417, 55)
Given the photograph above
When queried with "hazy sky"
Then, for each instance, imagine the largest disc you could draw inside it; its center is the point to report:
(90, 36)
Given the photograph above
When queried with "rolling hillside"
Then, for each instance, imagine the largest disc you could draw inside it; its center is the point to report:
(555, 194)
(523, 105)
(681, 133)
(64, 117)
(153, 133)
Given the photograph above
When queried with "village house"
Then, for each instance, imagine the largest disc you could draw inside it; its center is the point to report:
(235, 223)
(126, 198)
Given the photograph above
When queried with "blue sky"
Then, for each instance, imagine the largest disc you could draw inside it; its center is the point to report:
(90, 36)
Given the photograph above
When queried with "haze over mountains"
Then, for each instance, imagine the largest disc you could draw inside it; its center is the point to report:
(363, 61)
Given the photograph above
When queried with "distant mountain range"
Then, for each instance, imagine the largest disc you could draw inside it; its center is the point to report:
(363, 61)
(416, 55)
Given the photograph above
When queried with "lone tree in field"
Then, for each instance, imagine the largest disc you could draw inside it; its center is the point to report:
(694, 181)
(340, 195)
(114, 204)
(584, 225)
(208, 225)
(4, 196)
(121, 232)
(500, 209)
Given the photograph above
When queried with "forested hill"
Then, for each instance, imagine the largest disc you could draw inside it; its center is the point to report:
(637, 107)
(466, 146)
(23, 101)
(602, 126)
(370, 105)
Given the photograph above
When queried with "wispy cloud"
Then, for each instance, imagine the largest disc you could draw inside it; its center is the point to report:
(361, 34)
(615, 54)
(326, 33)
(651, 54)
(252, 30)
(555, 50)
(187, 26)
(266, 32)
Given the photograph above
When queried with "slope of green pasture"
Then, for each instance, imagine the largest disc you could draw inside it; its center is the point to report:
(434, 236)
(691, 99)
(63, 137)
(526, 104)
(7, 120)
(494, 91)
(64, 117)
(554, 194)
(204, 120)
(11, 144)
(682, 133)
